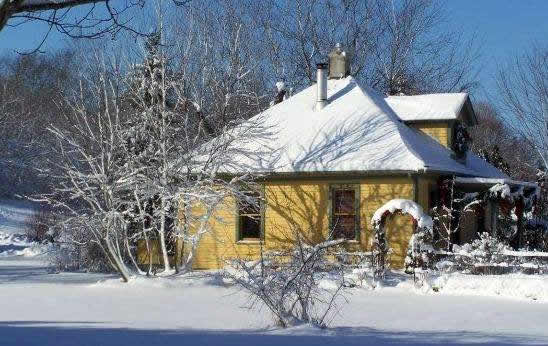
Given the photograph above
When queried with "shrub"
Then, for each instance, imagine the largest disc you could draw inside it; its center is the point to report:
(301, 284)
(40, 226)
(420, 251)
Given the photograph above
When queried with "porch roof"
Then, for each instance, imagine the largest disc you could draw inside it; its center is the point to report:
(479, 182)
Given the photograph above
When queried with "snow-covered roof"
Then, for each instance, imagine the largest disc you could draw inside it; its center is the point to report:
(357, 131)
(428, 107)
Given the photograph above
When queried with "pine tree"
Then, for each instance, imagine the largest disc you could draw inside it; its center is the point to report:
(150, 140)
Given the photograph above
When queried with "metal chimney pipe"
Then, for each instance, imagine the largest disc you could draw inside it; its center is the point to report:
(321, 81)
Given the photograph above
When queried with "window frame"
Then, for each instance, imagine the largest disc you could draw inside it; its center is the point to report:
(238, 235)
(357, 206)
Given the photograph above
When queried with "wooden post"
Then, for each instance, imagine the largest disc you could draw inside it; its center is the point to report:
(520, 206)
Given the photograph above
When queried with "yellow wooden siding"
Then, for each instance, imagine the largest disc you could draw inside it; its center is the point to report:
(154, 247)
(375, 193)
(304, 206)
(399, 228)
(216, 247)
(424, 187)
(441, 132)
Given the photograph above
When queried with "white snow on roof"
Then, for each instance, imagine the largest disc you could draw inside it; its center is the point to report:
(357, 131)
(494, 181)
(428, 106)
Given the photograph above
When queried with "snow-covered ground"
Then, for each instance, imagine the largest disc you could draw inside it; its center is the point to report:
(39, 307)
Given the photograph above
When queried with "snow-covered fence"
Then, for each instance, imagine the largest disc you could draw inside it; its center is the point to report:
(487, 255)
(354, 259)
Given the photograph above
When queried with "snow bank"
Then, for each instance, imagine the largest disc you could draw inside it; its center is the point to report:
(517, 286)
(18, 245)
(407, 207)
(31, 251)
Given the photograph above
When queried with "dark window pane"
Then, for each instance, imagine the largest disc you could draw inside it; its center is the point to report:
(250, 227)
(250, 218)
(344, 227)
(344, 201)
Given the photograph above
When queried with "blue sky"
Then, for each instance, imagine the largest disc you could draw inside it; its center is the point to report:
(505, 27)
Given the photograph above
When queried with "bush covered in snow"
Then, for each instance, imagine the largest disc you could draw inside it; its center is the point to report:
(486, 249)
(40, 226)
(301, 284)
(75, 248)
(489, 255)
(420, 252)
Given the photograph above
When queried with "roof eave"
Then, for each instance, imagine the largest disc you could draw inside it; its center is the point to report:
(467, 106)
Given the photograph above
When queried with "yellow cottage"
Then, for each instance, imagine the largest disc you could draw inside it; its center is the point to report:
(343, 151)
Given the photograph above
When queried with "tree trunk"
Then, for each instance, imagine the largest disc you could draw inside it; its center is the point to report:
(162, 235)
(117, 261)
(128, 249)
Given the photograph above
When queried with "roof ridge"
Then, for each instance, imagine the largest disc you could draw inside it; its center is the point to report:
(397, 122)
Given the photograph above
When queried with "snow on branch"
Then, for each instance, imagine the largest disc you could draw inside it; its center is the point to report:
(299, 284)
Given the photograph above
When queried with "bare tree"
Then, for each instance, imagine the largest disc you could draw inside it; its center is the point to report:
(394, 46)
(415, 52)
(95, 19)
(31, 87)
(215, 50)
(295, 35)
(187, 126)
(498, 144)
(523, 86)
(87, 178)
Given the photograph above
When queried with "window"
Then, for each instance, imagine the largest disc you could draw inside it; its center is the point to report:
(250, 218)
(344, 211)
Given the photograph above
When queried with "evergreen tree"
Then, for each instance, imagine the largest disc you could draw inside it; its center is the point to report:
(150, 140)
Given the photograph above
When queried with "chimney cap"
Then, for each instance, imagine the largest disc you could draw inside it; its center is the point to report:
(338, 63)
